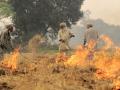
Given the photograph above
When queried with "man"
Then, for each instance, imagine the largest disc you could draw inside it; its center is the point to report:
(50, 36)
(6, 44)
(64, 36)
(91, 37)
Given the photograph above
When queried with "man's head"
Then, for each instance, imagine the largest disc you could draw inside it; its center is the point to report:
(9, 28)
(62, 25)
(89, 26)
(49, 29)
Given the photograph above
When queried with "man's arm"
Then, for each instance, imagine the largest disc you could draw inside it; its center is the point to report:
(85, 40)
(97, 35)
(59, 35)
(11, 46)
(71, 34)
(2, 38)
(84, 43)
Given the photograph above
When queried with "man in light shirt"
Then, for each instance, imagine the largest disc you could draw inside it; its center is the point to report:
(91, 37)
(64, 36)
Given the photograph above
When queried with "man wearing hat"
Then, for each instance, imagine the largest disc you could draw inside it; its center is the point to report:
(64, 36)
(6, 44)
(50, 36)
(91, 37)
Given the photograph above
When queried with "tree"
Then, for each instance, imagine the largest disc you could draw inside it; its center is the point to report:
(5, 9)
(33, 16)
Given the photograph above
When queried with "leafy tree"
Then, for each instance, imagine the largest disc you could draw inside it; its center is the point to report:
(34, 16)
(5, 9)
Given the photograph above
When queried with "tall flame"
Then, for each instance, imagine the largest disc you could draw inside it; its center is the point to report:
(106, 60)
(11, 61)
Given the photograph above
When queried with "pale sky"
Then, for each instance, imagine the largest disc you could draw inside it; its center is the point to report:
(107, 10)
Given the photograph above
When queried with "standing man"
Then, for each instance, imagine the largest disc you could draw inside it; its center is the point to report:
(64, 36)
(91, 37)
(50, 36)
(6, 44)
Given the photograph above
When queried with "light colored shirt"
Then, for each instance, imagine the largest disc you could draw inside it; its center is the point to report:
(91, 34)
(64, 34)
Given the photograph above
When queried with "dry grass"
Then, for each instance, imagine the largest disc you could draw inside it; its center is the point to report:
(43, 73)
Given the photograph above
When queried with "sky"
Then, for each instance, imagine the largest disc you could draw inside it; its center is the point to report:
(107, 10)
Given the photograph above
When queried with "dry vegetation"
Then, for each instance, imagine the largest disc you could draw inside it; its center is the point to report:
(36, 71)
(43, 73)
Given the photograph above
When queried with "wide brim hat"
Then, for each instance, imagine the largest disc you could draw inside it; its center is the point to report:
(89, 25)
(63, 24)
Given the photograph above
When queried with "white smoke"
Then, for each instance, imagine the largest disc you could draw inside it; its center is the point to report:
(107, 10)
(4, 22)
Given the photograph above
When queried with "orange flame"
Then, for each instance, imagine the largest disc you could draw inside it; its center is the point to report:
(107, 41)
(78, 58)
(106, 60)
(117, 84)
(11, 61)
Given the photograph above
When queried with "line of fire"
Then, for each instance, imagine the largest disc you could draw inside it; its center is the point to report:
(58, 45)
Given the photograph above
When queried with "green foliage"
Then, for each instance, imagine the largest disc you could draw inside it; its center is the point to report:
(51, 50)
(5, 9)
(34, 16)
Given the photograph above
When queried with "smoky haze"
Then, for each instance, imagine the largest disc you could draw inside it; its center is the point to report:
(107, 10)
(113, 31)
(104, 15)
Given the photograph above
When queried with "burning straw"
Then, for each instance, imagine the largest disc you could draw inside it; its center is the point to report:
(106, 61)
(11, 61)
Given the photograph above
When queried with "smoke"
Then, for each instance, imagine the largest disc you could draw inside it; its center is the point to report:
(5, 21)
(107, 10)
(111, 31)
(35, 42)
(104, 15)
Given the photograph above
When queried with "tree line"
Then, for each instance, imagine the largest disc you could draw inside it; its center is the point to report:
(35, 16)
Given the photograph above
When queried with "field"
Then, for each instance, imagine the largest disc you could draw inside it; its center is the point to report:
(47, 70)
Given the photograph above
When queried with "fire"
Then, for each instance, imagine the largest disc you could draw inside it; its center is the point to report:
(78, 58)
(82, 55)
(11, 61)
(116, 84)
(61, 57)
(106, 60)
(108, 41)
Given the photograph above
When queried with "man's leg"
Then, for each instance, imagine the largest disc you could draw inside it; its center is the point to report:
(1, 53)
